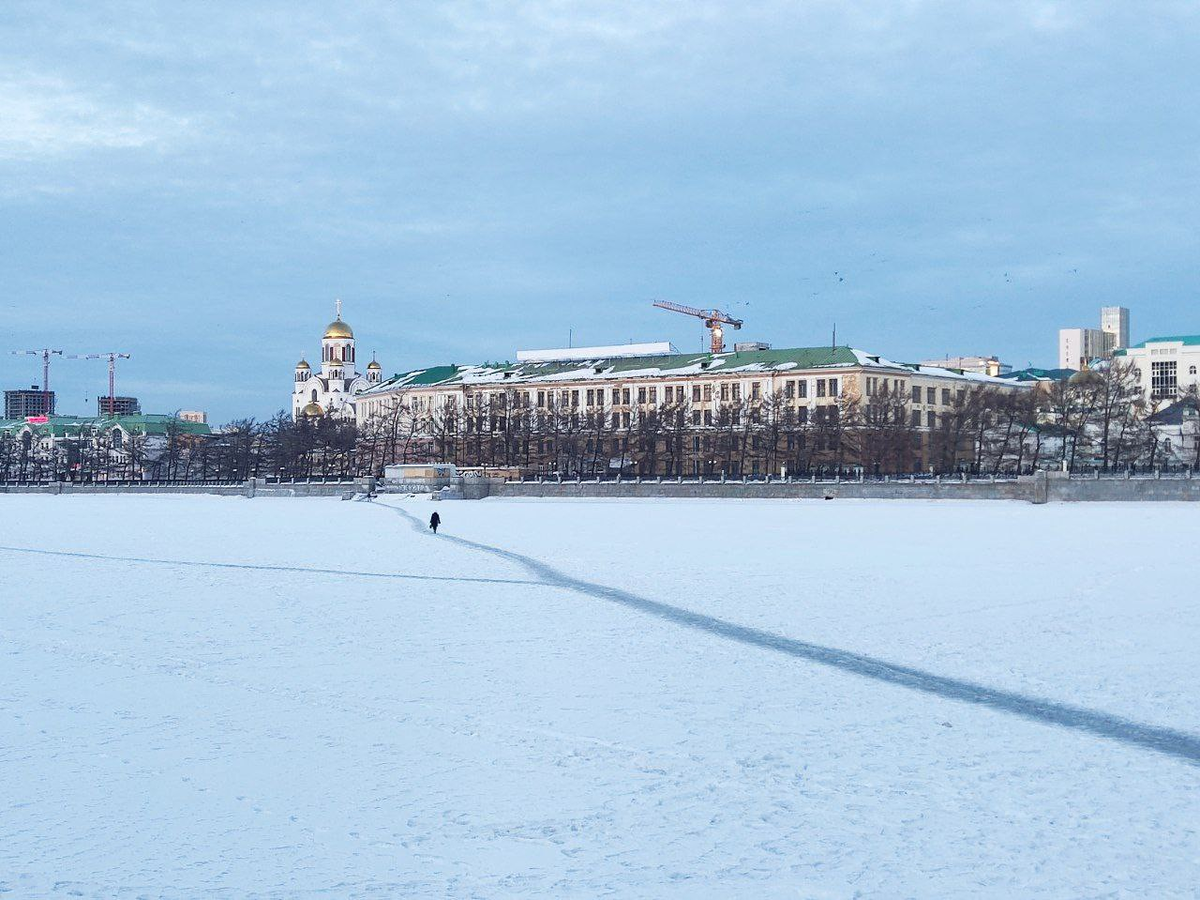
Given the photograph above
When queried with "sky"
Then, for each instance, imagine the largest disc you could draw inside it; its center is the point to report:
(195, 183)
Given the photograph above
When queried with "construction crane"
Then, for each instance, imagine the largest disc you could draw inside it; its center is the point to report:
(713, 320)
(45, 354)
(112, 373)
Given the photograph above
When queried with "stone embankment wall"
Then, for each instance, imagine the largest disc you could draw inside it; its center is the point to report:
(1039, 488)
(1042, 487)
(255, 487)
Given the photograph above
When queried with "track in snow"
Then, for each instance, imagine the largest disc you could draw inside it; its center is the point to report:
(264, 568)
(1168, 741)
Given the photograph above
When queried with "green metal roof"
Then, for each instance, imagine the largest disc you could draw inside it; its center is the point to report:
(606, 368)
(1035, 374)
(1190, 340)
(139, 424)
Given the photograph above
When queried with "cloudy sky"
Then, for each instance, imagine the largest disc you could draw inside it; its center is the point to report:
(194, 183)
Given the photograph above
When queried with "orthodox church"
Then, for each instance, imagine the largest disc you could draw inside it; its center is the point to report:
(331, 391)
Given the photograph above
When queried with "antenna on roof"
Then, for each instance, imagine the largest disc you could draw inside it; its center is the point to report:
(834, 344)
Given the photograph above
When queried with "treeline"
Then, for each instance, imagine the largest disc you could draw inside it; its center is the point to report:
(243, 449)
(1097, 422)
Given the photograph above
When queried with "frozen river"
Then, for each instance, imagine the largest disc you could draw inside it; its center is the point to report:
(206, 696)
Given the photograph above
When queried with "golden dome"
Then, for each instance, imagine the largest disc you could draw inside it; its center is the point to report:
(303, 364)
(339, 330)
(1085, 376)
(374, 365)
(312, 411)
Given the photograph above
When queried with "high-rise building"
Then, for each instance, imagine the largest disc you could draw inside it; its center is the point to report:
(1078, 346)
(1114, 321)
(118, 406)
(22, 403)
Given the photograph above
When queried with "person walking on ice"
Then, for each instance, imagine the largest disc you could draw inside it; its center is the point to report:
(434, 521)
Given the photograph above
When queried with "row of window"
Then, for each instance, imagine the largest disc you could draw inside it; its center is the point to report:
(725, 391)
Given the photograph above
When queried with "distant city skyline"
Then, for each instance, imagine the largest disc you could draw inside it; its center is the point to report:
(195, 185)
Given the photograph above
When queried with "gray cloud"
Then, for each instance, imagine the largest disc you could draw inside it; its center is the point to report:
(474, 176)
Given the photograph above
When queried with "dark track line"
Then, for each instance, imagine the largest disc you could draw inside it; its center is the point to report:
(1168, 741)
(263, 568)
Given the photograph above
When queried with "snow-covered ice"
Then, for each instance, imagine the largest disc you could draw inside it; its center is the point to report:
(597, 710)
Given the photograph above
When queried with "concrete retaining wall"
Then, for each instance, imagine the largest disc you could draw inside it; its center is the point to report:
(775, 490)
(1033, 489)
(252, 488)
(1039, 488)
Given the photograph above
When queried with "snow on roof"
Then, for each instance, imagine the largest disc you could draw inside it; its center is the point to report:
(675, 365)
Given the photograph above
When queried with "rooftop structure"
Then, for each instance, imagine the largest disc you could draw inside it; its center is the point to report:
(617, 351)
(983, 365)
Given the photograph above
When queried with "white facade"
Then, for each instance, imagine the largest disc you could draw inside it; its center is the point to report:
(331, 390)
(1166, 366)
(1114, 322)
(1077, 346)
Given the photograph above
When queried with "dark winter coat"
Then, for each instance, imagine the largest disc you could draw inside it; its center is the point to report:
(434, 521)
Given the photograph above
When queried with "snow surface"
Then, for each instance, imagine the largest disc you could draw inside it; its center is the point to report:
(674, 708)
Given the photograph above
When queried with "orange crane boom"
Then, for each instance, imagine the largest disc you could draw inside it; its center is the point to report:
(713, 320)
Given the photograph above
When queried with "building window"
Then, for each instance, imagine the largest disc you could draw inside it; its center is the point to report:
(932, 419)
(756, 389)
(945, 396)
(802, 415)
(737, 392)
(916, 418)
(931, 395)
(916, 394)
(789, 389)
(1163, 379)
(695, 393)
(725, 392)
(820, 387)
(802, 386)
(1191, 370)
